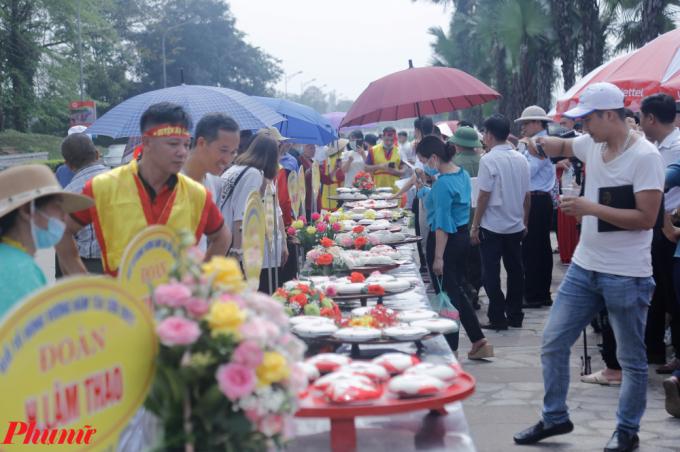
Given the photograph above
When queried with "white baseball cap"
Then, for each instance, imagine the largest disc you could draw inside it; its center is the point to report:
(598, 96)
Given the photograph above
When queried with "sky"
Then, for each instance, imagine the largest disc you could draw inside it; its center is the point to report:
(342, 44)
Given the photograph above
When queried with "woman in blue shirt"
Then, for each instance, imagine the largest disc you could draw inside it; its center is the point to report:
(448, 213)
(32, 210)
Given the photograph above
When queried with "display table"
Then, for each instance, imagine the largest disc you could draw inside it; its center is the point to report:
(399, 426)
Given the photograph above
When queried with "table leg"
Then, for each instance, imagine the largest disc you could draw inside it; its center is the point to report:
(380, 300)
(343, 435)
(355, 352)
(364, 301)
(419, 348)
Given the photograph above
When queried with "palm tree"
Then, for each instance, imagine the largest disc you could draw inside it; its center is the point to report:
(638, 22)
(566, 25)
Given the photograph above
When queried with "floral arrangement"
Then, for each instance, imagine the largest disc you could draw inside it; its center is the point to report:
(306, 299)
(364, 182)
(379, 317)
(323, 226)
(226, 376)
(357, 239)
(325, 260)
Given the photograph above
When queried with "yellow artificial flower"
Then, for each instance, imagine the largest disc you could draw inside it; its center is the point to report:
(226, 272)
(311, 230)
(370, 214)
(225, 318)
(297, 224)
(273, 369)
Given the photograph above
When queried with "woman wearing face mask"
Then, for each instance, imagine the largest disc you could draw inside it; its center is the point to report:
(448, 213)
(32, 212)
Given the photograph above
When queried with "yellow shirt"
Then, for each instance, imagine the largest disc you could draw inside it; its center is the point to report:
(377, 157)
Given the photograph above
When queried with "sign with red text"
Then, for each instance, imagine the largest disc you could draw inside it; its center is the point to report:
(82, 113)
(76, 363)
(147, 261)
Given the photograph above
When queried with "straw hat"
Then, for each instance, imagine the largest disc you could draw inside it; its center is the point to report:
(22, 184)
(272, 132)
(337, 146)
(534, 113)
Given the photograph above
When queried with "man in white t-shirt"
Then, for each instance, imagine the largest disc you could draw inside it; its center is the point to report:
(500, 223)
(214, 147)
(611, 266)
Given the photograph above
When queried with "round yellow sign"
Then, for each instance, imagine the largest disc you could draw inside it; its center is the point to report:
(76, 362)
(148, 260)
(253, 239)
(316, 179)
(269, 212)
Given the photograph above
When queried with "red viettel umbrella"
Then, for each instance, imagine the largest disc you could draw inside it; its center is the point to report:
(417, 91)
(653, 68)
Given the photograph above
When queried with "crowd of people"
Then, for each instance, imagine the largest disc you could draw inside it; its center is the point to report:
(480, 196)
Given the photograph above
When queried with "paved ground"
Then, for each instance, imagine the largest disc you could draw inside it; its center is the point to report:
(510, 390)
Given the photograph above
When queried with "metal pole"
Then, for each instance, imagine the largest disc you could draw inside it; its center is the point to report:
(80, 52)
(275, 238)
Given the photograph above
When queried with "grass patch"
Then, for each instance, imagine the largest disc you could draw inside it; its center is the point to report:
(32, 142)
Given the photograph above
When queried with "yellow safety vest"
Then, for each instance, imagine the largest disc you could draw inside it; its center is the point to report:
(330, 189)
(382, 179)
(121, 213)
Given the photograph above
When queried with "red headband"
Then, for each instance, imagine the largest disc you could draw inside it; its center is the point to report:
(167, 130)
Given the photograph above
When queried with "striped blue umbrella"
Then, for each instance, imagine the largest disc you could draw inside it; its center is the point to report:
(303, 124)
(123, 120)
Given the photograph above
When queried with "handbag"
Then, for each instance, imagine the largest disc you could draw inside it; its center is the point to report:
(441, 303)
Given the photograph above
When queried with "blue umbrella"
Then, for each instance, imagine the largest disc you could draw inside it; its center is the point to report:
(303, 124)
(123, 120)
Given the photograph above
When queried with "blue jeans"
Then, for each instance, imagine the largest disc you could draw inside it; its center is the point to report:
(583, 294)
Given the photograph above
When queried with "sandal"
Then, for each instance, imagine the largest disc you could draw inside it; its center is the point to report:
(600, 379)
(482, 352)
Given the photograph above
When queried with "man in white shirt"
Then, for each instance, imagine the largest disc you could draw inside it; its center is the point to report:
(500, 222)
(214, 147)
(657, 121)
(611, 266)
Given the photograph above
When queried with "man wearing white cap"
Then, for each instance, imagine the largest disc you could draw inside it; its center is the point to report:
(612, 264)
(536, 246)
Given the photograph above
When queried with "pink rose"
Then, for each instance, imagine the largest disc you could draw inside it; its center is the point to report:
(321, 227)
(313, 254)
(315, 216)
(331, 291)
(336, 227)
(172, 295)
(259, 330)
(291, 231)
(235, 380)
(249, 354)
(196, 307)
(271, 425)
(346, 241)
(177, 331)
(303, 219)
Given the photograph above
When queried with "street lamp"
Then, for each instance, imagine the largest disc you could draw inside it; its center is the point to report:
(304, 85)
(165, 76)
(286, 78)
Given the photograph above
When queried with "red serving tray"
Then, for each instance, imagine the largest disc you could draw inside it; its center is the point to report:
(312, 405)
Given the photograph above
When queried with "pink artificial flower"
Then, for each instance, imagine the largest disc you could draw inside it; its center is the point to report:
(336, 227)
(313, 254)
(346, 241)
(291, 231)
(172, 295)
(235, 380)
(249, 354)
(297, 380)
(331, 291)
(259, 330)
(271, 425)
(321, 227)
(315, 216)
(226, 298)
(270, 308)
(196, 307)
(303, 219)
(176, 330)
(253, 416)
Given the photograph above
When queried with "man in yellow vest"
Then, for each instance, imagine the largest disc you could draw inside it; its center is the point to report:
(149, 190)
(384, 161)
(332, 175)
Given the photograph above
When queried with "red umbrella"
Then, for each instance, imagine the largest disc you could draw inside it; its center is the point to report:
(417, 91)
(654, 68)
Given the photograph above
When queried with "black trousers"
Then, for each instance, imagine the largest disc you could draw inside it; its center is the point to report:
(537, 250)
(663, 301)
(453, 277)
(415, 207)
(507, 247)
